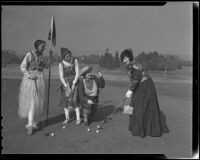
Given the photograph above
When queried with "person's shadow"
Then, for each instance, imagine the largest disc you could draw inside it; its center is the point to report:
(101, 114)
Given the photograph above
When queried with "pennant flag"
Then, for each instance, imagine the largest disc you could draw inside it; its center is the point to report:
(52, 32)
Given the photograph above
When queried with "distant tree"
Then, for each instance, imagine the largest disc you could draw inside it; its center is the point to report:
(101, 61)
(141, 57)
(117, 60)
(108, 61)
(9, 57)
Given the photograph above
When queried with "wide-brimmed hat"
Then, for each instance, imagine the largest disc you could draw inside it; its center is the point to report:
(64, 52)
(85, 70)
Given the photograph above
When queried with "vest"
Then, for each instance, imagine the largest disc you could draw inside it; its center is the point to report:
(36, 62)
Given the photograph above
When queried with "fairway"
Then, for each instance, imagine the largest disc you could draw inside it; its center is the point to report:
(175, 101)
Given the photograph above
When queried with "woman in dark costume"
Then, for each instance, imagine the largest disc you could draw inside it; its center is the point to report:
(88, 93)
(147, 119)
(69, 73)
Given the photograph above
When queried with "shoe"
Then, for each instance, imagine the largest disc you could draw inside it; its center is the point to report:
(86, 123)
(66, 121)
(30, 131)
(78, 122)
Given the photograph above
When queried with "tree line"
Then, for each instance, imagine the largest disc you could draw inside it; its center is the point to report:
(152, 61)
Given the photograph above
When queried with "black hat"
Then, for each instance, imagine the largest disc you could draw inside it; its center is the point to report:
(64, 52)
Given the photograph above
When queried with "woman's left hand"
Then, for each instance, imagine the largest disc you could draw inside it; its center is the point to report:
(129, 93)
(99, 73)
(73, 86)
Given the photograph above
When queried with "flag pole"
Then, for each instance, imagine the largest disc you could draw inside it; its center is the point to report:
(49, 77)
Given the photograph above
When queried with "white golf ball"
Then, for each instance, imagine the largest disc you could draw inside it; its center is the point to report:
(63, 127)
(88, 129)
(98, 126)
(52, 134)
(97, 131)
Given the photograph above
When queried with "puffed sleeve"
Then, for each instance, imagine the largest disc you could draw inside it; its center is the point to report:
(24, 64)
(135, 77)
(100, 82)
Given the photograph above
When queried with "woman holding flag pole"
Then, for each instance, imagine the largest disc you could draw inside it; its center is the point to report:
(32, 93)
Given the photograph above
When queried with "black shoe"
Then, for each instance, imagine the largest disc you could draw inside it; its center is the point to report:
(86, 123)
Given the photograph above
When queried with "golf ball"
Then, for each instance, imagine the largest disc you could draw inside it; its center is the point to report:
(88, 129)
(97, 131)
(63, 127)
(52, 134)
(98, 126)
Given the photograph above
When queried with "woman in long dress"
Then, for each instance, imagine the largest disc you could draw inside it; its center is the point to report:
(32, 94)
(147, 119)
(69, 73)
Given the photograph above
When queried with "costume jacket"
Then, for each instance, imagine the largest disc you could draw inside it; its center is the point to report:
(136, 75)
(83, 97)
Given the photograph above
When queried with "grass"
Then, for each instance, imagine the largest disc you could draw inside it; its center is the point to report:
(175, 100)
(76, 140)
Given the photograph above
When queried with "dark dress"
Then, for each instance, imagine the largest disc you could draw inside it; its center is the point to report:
(147, 119)
(69, 75)
(89, 108)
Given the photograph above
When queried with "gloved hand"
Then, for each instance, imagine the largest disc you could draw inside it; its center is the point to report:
(68, 91)
(90, 101)
(129, 94)
(99, 73)
(73, 86)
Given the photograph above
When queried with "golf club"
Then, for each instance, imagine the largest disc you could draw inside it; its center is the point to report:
(100, 126)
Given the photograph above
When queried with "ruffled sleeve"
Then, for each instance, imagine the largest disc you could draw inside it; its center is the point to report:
(24, 64)
(100, 81)
(135, 75)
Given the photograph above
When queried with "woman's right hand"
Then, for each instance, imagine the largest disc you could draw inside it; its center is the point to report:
(68, 91)
(129, 94)
(67, 87)
(90, 101)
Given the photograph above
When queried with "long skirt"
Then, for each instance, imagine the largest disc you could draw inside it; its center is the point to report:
(147, 119)
(32, 94)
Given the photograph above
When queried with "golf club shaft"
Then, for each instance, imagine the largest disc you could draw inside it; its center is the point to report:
(113, 111)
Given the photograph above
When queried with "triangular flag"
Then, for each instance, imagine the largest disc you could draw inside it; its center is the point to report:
(52, 32)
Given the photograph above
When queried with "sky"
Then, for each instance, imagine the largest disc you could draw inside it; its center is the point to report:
(91, 29)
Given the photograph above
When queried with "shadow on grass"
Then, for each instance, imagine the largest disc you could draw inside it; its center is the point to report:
(105, 111)
(101, 114)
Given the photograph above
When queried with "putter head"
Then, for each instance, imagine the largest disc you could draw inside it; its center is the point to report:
(105, 121)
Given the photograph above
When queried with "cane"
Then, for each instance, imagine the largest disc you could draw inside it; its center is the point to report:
(102, 98)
